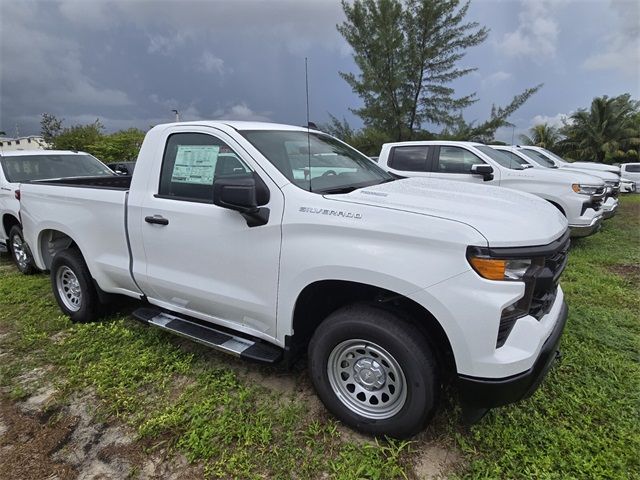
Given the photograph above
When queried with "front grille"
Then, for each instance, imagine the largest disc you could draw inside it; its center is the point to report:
(541, 288)
(546, 282)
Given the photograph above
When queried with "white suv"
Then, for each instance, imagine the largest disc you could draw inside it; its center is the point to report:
(630, 176)
(22, 166)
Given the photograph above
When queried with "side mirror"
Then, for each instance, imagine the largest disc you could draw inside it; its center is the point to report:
(241, 194)
(483, 169)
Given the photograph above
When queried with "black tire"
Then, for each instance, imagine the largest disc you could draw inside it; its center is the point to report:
(23, 259)
(67, 265)
(398, 338)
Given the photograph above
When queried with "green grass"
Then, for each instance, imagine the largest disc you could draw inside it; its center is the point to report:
(177, 394)
(582, 423)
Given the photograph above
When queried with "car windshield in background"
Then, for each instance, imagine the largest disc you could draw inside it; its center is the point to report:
(539, 158)
(555, 157)
(632, 168)
(27, 168)
(316, 162)
(504, 160)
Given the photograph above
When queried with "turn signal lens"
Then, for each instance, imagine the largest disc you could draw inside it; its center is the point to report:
(576, 187)
(489, 268)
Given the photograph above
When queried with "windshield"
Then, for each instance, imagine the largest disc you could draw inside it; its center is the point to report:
(26, 168)
(316, 162)
(555, 157)
(504, 160)
(632, 168)
(539, 158)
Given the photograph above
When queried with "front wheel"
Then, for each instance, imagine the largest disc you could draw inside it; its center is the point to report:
(374, 371)
(73, 286)
(20, 252)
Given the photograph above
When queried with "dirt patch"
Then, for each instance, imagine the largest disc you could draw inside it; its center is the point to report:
(26, 445)
(629, 272)
(435, 461)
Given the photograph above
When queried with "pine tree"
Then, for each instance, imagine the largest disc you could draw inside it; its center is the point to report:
(407, 53)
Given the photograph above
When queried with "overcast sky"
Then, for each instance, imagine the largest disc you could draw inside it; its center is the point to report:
(130, 63)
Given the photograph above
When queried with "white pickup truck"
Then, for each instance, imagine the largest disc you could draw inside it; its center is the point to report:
(610, 174)
(21, 166)
(576, 195)
(235, 238)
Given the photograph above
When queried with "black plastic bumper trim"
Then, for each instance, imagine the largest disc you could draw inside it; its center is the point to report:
(489, 393)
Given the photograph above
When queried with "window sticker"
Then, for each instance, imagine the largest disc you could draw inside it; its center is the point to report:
(195, 164)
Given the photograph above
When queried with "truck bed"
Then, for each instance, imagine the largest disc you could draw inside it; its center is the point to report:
(91, 212)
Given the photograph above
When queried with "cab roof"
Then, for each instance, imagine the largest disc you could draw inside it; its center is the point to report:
(20, 153)
(237, 125)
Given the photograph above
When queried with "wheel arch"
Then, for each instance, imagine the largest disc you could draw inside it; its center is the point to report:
(51, 242)
(8, 222)
(320, 298)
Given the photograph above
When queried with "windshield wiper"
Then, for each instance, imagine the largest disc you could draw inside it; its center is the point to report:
(334, 191)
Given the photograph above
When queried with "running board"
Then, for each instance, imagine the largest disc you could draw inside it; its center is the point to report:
(219, 340)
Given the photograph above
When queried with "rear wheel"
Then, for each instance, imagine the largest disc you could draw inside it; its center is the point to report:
(20, 251)
(374, 371)
(73, 286)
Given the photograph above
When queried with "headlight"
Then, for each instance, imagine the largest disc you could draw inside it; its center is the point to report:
(500, 269)
(611, 183)
(585, 189)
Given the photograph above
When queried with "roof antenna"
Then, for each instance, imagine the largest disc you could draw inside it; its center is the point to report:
(306, 81)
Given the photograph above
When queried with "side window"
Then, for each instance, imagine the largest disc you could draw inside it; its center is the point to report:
(191, 163)
(409, 159)
(456, 160)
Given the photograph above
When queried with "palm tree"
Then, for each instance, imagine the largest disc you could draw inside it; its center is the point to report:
(608, 127)
(542, 135)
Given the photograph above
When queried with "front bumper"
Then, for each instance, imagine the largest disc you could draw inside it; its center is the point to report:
(483, 393)
(610, 212)
(586, 230)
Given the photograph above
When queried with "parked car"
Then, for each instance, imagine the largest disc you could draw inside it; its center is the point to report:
(576, 195)
(122, 168)
(627, 186)
(390, 286)
(539, 157)
(22, 166)
(630, 173)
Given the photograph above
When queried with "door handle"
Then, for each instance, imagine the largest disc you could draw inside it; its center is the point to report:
(157, 220)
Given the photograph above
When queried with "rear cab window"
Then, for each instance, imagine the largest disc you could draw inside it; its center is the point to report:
(409, 158)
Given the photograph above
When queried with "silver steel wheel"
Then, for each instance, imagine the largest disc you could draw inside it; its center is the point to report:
(20, 252)
(367, 379)
(69, 288)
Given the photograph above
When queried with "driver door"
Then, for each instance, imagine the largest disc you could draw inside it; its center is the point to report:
(201, 259)
(454, 163)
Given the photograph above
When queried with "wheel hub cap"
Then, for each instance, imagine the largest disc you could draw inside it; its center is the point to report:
(367, 379)
(69, 288)
(19, 252)
(369, 373)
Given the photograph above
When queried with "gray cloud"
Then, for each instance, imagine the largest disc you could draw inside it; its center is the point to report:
(131, 62)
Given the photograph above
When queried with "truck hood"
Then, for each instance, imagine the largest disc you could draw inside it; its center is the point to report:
(601, 167)
(562, 176)
(602, 174)
(505, 217)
